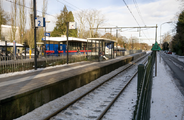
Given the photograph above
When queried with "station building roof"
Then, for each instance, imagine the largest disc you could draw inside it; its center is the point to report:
(9, 44)
(62, 39)
(101, 39)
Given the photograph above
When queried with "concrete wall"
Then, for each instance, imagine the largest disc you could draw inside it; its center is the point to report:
(21, 104)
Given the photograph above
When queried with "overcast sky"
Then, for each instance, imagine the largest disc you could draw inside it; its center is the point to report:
(117, 14)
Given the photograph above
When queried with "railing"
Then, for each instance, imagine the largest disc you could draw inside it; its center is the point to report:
(144, 89)
(22, 62)
(8, 64)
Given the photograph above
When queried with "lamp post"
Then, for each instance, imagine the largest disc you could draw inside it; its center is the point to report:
(160, 30)
(160, 36)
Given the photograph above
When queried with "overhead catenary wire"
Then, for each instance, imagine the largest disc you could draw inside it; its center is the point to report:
(139, 12)
(72, 4)
(131, 12)
(68, 5)
(30, 8)
(133, 15)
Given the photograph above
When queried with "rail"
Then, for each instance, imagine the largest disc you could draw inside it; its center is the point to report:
(144, 89)
(69, 104)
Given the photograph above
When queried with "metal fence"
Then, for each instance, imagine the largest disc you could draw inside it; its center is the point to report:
(8, 64)
(22, 62)
(144, 89)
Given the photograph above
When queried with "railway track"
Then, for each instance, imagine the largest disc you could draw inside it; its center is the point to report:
(96, 102)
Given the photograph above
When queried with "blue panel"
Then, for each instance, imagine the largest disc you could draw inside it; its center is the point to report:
(51, 47)
(47, 46)
(56, 49)
(64, 47)
(109, 45)
(43, 22)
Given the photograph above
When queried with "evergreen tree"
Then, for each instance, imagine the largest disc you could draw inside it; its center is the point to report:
(60, 28)
(178, 39)
(165, 46)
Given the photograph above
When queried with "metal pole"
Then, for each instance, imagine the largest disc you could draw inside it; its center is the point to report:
(116, 40)
(90, 32)
(160, 42)
(113, 49)
(58, 48)
(67, 40)
(139, 38)
(45, 40)
(160, 34)
(87, 49)
(99, 51)
(132, 41)
(156, 52)
(25, 49)
(6, 49)
(35, 57)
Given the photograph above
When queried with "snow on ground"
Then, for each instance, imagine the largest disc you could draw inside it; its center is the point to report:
(49, 108)
(167, 100)
(124, 107)
(30, 71)
(180, 58)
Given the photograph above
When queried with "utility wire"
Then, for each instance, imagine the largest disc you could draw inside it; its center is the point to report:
(133, 16)
(30, 8)
(65, 4)
(131, 12)
(72, 5)
(139, 12)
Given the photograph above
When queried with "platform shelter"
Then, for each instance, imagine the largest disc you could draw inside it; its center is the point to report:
(101, 49)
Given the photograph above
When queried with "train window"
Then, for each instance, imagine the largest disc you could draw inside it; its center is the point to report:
(61, 47)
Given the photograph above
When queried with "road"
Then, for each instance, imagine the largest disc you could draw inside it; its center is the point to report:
(177, 68)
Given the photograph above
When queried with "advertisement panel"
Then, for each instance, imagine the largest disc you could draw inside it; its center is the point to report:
(108, 48)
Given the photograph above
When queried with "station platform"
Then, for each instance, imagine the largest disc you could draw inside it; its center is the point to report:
(22, 93)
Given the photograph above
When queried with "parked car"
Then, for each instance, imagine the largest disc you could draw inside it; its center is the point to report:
(169, 52)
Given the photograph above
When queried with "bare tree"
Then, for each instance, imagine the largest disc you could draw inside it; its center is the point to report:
(94, 19)
(40, 31)
(167, 37)
(22, 20)
(89, 19)
(30, 32)
(82, 21)
(4, 18)
(122, 40)
(44, 8)
(13, 20)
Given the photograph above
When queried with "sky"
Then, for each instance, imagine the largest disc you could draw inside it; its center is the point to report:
(117, 14)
